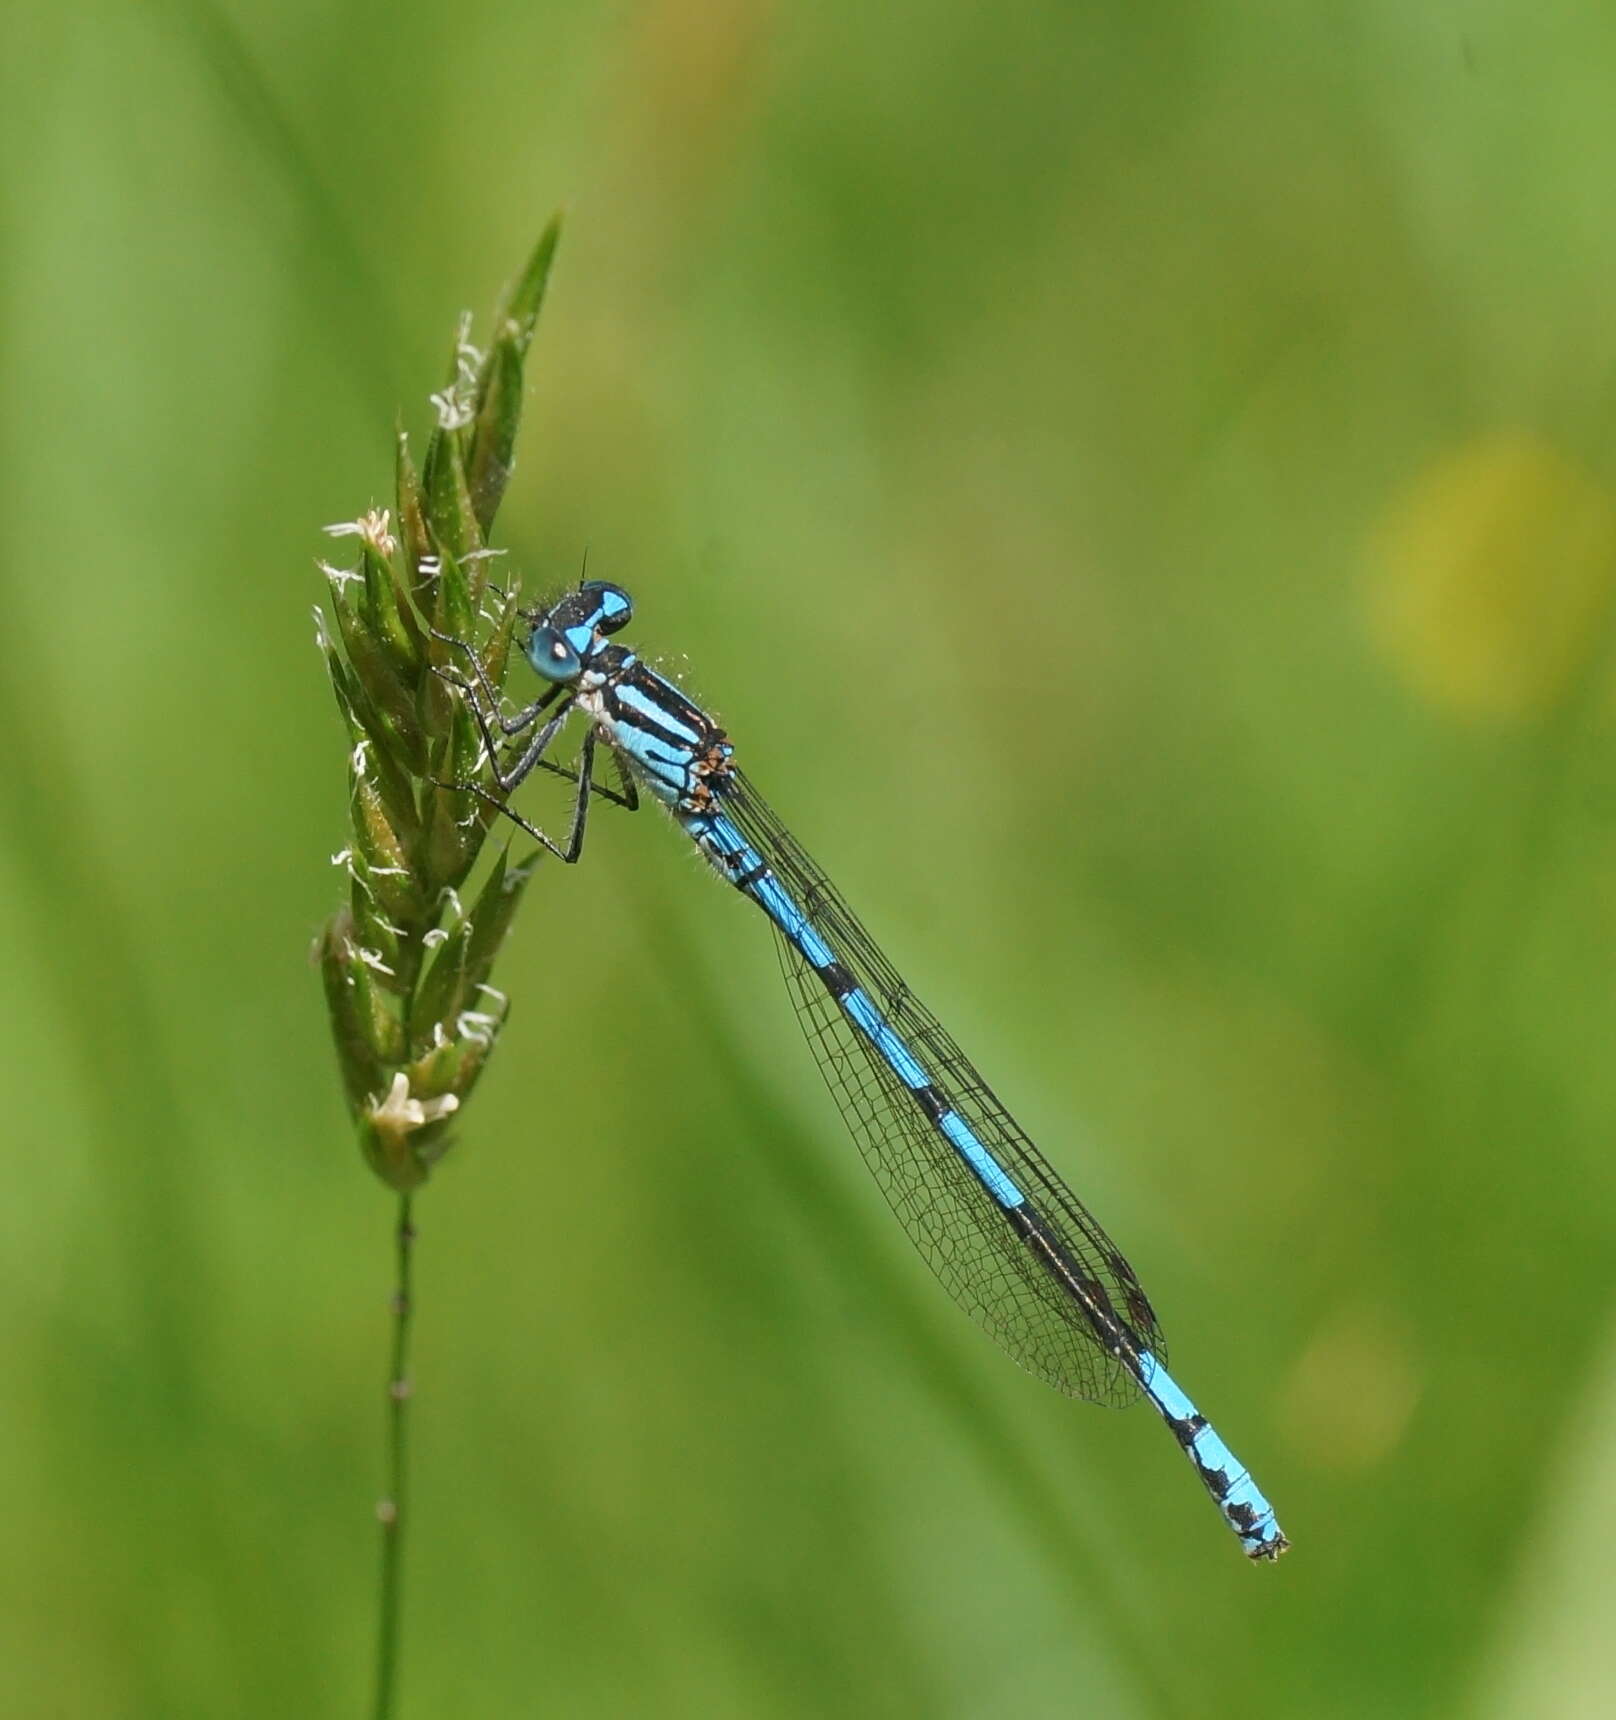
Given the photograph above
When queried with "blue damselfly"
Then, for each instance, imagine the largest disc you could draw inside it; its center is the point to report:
(1012, 1244)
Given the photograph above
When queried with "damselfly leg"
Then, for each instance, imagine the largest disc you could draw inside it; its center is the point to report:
(489, 714)
(483, 698)
(532, 758)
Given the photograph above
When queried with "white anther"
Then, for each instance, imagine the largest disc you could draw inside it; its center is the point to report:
(436, 936)
(402, 1112)
(474, 1025)
(499, 997)
(373, 959)
(359, 755)
(468, 360)
(372, 526)
(463, 346)
(341, 576)
(345, 859)
(454, 412)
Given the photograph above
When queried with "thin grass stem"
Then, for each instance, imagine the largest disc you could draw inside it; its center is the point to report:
(391, 1509)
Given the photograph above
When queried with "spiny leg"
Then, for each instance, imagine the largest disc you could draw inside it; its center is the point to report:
(531, 760)
(626, 795)
(580, 806)
(509, 726)
(512, 779)
(523, 719)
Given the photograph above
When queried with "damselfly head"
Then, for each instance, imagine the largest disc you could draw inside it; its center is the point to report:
(565, 631)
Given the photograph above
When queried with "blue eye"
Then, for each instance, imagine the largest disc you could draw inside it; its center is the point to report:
(551, 655)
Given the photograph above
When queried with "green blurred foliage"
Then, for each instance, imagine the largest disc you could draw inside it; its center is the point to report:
(1064, 440)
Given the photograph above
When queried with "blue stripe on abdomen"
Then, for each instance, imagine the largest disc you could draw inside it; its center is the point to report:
(721, 838)
(892, 1048)
(980, 1160)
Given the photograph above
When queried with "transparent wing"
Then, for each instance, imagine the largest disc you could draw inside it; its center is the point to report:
(955, 1223)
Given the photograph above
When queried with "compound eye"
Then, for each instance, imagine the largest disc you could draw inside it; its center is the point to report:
(616, 607)
(551, 655)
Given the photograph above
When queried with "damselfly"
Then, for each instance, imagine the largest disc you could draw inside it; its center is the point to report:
(1012, 1244)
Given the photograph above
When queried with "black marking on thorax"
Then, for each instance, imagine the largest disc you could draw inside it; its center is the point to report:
(660, 708)
(635, 697)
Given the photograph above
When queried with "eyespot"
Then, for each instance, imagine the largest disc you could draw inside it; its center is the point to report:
(551, 655)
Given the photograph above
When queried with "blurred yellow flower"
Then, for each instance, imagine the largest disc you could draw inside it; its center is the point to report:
(1493, 573)
(1352, 1392)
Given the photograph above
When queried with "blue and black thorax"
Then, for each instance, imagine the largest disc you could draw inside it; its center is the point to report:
(676, 749)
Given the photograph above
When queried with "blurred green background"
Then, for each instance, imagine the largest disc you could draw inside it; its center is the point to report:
(1137, 482)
